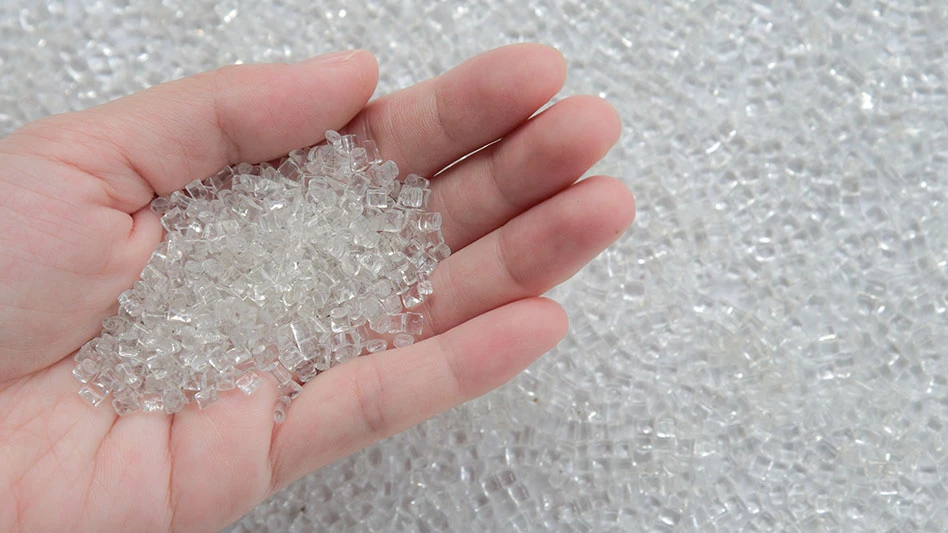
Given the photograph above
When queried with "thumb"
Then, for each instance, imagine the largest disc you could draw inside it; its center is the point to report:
(158, 140)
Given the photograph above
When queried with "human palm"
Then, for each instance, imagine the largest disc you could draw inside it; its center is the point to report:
(75, 231)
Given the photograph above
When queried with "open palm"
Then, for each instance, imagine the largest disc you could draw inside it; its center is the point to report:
(75, 231)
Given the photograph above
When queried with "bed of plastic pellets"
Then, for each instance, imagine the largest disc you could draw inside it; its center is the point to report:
(763, 351)
(288, 270)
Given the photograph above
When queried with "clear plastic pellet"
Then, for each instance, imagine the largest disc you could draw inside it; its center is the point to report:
(287, 270)
(403, 339)
(249, 382)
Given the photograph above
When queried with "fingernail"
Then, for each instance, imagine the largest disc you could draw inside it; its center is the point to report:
(333, 57)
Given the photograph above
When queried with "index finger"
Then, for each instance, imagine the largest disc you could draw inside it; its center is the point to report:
(432, 124)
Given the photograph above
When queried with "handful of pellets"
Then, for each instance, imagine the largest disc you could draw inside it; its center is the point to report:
(287, 270)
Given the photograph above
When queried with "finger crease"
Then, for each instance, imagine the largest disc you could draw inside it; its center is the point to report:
(231, 146)
(440, 117)
(450, 358)
(425, 311)
(504, 258)
(172, 502)
(495, 182)
(367, 388)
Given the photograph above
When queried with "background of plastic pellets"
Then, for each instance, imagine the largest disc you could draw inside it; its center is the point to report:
(764, 350)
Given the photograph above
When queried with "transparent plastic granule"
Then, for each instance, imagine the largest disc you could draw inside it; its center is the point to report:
(288, 270)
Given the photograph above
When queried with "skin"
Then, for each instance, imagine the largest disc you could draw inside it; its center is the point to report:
(75, 231)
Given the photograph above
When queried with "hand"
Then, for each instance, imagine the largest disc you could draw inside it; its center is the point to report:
(75, 231)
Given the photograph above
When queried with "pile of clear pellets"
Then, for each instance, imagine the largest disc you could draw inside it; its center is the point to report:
(287, 270)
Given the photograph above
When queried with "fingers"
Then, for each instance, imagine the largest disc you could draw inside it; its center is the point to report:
(432, 124)
(375, 396)
(188, 129)
(226, 443)
(530, 254)
(536, 161)
(485, 340)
